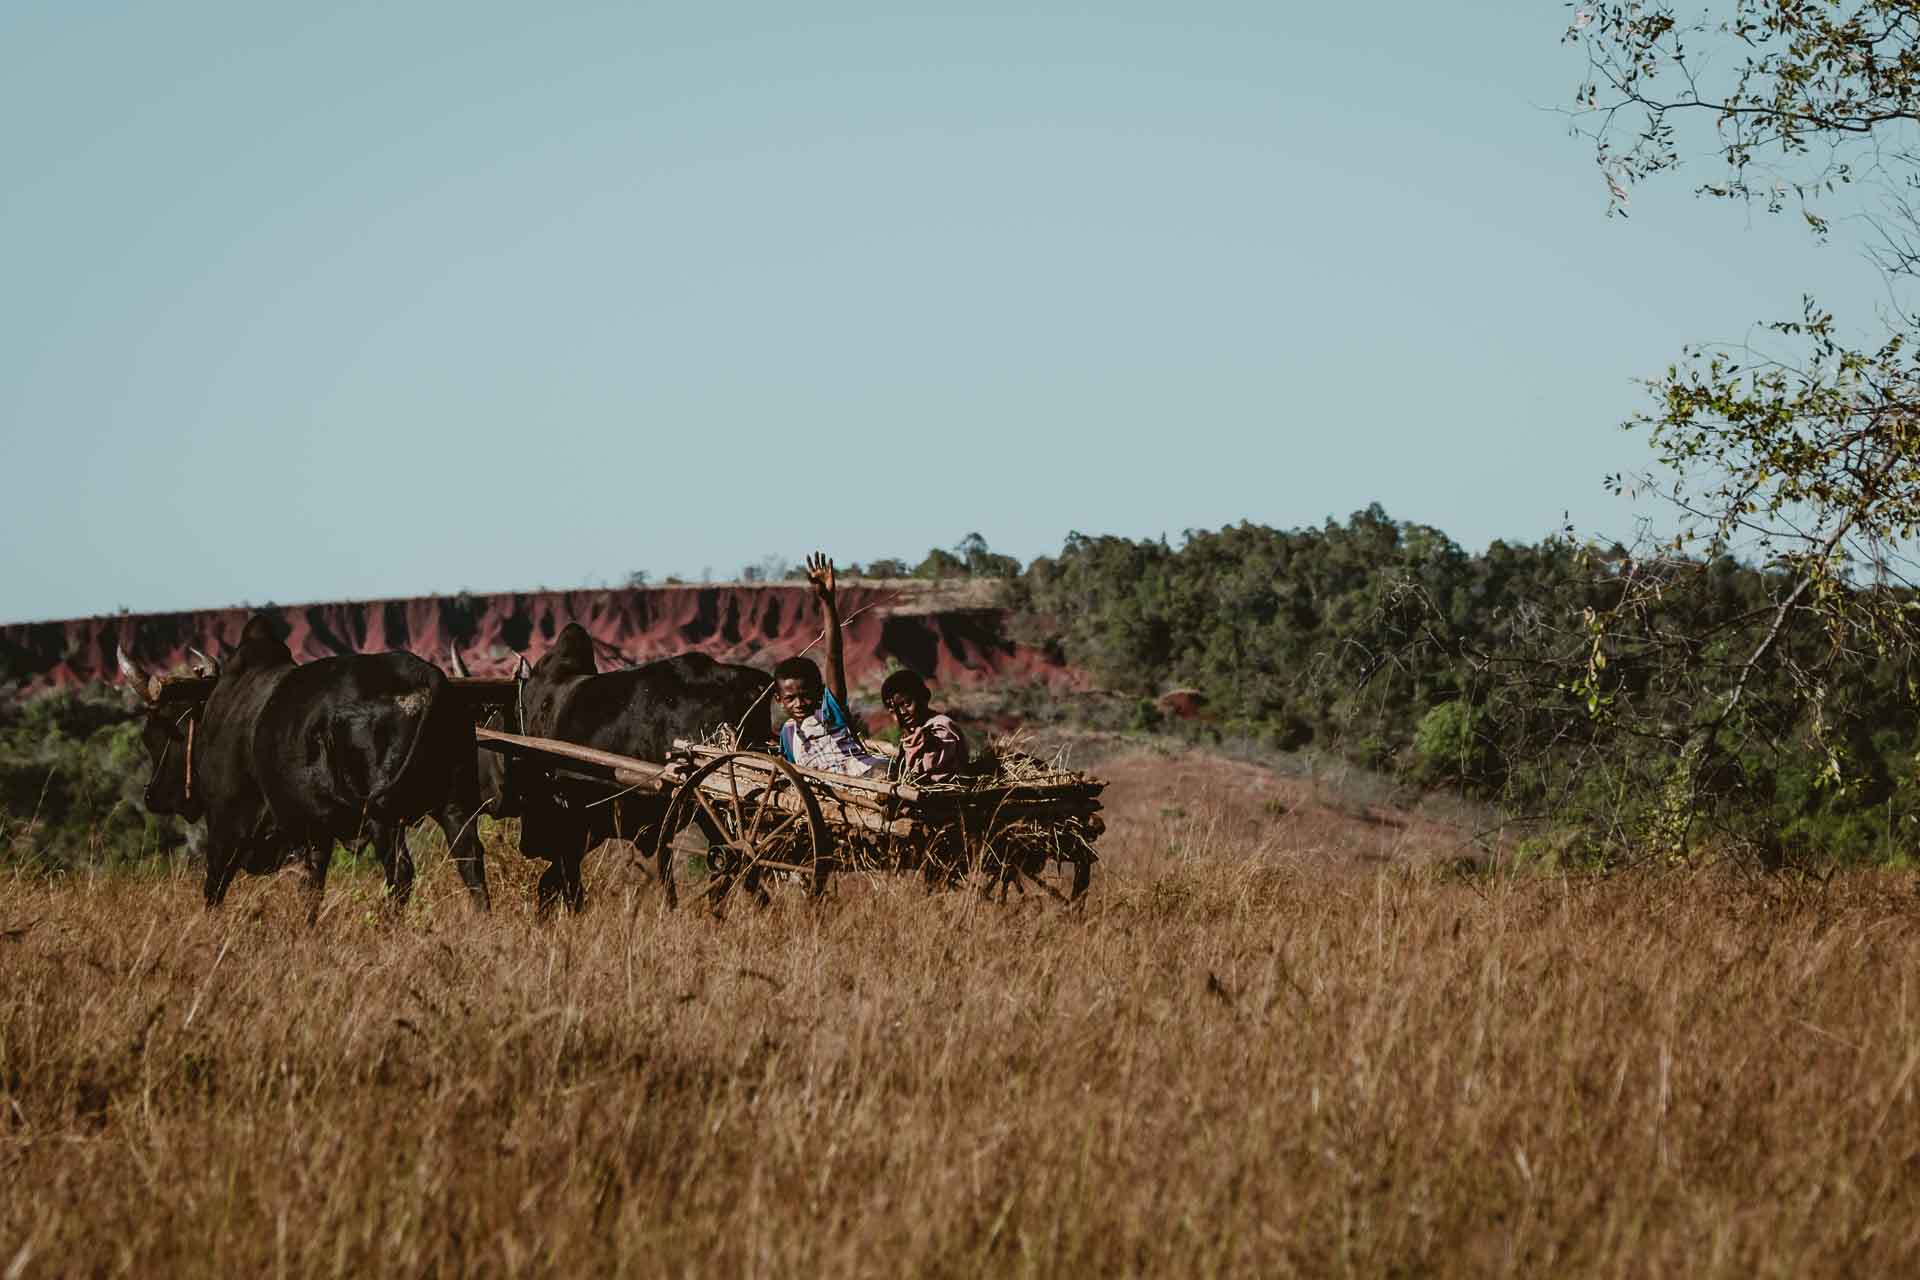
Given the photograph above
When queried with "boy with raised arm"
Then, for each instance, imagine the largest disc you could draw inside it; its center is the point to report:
(819, 733)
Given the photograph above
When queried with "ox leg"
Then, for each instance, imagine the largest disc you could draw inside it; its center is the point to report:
(576, 885)
(397, 861)
(562, 885)
(459, 821)
(227, 844)
(460, 824)
(319, 852)
(564, 840)
(222, 866)
(552, 885)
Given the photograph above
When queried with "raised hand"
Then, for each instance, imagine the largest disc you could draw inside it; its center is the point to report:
(820, 574)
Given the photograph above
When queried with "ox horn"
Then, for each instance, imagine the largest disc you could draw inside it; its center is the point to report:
(453, 660)
(137, 680)
(202, 664)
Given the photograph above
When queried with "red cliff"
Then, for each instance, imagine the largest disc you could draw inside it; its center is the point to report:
(951, 636)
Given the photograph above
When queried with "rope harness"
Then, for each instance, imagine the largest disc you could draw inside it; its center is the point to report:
(189, 719)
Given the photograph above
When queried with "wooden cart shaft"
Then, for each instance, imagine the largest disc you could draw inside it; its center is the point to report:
(628, 772)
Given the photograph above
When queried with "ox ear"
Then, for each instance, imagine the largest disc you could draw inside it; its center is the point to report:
(202, 664)
(148, 687)
(454, 664)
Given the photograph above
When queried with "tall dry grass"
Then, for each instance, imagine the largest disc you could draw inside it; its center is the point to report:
(1231, 1061)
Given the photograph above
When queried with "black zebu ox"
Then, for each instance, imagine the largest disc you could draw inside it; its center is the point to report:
(285, 758)
(637, 712)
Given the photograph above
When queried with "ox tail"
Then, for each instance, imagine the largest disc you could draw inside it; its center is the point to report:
(409, 793)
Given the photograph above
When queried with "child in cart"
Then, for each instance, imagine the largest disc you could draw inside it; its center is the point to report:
(931, 747)
(819, 734)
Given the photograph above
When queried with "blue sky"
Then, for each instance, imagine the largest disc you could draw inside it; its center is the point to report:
(348, 301)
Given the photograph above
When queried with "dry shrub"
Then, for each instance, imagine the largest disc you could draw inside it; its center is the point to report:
(1229, 1060)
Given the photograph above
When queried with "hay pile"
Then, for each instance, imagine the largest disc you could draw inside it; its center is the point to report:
(1007, 763)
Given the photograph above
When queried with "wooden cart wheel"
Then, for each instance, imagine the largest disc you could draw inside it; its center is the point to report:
(1058, 867)
(761, 822)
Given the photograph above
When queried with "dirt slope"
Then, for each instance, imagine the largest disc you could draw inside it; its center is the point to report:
(1166, 800)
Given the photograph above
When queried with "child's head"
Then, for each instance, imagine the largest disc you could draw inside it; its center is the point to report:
(797, 686)
(906, 695)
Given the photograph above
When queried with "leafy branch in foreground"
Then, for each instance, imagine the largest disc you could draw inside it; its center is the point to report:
(1803, 461)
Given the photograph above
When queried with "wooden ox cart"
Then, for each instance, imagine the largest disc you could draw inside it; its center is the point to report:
(757, 822)
(754, 821)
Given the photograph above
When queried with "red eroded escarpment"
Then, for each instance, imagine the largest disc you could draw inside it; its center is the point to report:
(944, 635)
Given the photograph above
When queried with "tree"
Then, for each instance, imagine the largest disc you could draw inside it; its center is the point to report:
(982, 561)
(971, 557)
(940, 565)
(1803, 459)
(771, 568)
(1453, 744)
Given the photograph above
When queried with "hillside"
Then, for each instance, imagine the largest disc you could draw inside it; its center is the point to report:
(953, 634)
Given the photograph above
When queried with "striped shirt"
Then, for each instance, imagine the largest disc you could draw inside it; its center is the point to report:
(826, 740)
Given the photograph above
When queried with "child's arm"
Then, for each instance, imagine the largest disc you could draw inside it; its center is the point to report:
(820, 574)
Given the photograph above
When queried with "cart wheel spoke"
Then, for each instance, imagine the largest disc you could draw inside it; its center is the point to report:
(789, 823)
(725, 828)
(763, 804)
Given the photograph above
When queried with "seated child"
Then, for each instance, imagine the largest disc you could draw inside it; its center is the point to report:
(931, 748)
(818, 733)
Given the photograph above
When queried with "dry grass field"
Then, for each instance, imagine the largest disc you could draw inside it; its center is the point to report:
(1264, 1046)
